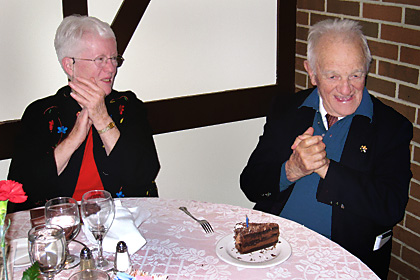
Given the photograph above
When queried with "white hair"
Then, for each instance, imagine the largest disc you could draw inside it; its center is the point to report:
(69, 34)
(345, 28)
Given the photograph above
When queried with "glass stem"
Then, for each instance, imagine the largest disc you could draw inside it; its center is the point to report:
(100, 254)
(69, 258)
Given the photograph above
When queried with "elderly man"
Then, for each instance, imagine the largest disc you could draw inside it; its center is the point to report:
(335, 158)
(86, 136)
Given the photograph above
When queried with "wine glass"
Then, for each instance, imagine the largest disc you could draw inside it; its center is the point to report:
(47, 246)
(64, 211)
(98, 212)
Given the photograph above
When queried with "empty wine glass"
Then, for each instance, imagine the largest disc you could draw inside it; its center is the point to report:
(47, 246)
(64, 211)
(98, 212)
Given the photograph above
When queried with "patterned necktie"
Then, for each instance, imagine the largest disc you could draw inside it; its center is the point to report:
(331, 120)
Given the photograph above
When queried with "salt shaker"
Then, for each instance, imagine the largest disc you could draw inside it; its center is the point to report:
(86, 259)
(122, 261)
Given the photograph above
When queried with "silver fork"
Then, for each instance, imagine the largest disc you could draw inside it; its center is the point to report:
(204, 223)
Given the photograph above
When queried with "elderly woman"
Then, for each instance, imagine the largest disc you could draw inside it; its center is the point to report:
(87, 136)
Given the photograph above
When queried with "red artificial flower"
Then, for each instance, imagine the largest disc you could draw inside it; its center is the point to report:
(11, 190)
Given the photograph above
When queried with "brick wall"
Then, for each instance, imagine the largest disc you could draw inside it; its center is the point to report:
(393, 30)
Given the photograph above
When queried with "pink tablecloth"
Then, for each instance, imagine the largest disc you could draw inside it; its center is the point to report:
(178, 247)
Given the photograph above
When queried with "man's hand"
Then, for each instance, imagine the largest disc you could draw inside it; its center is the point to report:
(308, 156)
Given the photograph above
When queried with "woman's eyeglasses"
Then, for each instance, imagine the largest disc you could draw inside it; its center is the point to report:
(102, 60)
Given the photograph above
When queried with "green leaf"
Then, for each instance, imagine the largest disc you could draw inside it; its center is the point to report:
(32, 272)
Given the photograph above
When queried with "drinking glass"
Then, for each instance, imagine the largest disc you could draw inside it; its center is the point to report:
(47, 246)
(64, 211)
(98, 212)
(92, 274)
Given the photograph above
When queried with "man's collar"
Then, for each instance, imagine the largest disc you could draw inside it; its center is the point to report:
(365, 108)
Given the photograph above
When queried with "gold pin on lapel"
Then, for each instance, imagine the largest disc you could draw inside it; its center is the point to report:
(363, 149)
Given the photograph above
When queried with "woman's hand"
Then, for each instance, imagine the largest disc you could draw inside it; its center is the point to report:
(65, 149)
(81, 127)
(90, 96)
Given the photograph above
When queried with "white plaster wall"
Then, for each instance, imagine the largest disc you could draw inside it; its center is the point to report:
(181, 47)
(205, 163)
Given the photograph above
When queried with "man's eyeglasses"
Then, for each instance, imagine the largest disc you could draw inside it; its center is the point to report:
(102, 60)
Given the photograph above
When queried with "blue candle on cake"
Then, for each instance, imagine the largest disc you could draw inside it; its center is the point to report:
(247, 221)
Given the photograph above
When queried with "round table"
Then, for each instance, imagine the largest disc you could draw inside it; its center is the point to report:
(177, 246)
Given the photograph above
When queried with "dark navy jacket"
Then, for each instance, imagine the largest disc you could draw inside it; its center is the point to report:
(368, 188)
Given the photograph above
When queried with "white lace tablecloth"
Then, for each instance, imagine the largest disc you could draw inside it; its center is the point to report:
(178, 247)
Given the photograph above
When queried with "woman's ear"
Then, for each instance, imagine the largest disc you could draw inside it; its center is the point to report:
(68, 65)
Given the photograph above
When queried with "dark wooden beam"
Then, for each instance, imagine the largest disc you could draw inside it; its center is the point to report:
(286, 45)
(208, 109)
(181, 113)
(8, 132)
(127, 20)
(75, 7)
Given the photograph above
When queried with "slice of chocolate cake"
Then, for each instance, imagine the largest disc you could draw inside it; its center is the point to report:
(255, 237)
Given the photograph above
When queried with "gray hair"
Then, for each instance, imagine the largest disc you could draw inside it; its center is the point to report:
(345, 28)
(71, 30)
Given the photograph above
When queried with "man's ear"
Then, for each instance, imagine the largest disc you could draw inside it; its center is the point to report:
(68, 65)
(310, 72)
